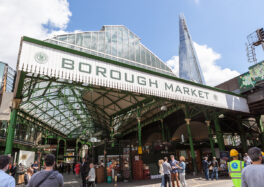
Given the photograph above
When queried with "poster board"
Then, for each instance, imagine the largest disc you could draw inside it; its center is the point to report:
(26, 157)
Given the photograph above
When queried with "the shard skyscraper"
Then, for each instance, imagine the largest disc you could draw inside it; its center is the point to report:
(189, 67)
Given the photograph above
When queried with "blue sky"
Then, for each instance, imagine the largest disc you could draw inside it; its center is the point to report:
(221, 25)
(218, 27)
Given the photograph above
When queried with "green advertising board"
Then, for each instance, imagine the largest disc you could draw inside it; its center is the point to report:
(248, 80)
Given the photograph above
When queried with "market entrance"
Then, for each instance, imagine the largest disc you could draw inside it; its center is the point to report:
(75, 96)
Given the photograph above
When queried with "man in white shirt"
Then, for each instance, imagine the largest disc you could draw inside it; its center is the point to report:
(5, 179)
(167, 172)
(91, 176)
(247, 159)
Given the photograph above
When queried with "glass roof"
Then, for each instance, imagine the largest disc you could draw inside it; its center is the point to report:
(114, 42)
(56, 104)
(75, 109)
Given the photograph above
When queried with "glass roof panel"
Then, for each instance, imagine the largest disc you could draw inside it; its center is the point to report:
(114, 42)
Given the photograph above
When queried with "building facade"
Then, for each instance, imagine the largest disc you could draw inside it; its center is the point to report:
(189, 67)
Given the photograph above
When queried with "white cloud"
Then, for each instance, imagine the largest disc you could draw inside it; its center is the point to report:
(33, 18)
(213, 73)
(173, 63)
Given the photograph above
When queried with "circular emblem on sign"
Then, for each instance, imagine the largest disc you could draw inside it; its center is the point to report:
(215, 97)
(41, 58)
(234, 165)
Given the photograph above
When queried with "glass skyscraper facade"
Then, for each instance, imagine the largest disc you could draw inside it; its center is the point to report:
(7, 77)
(114, 42)
(189, 67)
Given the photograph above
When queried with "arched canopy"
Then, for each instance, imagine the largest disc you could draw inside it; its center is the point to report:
(82, 95)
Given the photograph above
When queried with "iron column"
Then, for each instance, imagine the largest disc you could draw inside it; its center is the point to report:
(242, 136)
(260, 125)
(58, 147)
(191, 144)
(10, 132)
(219, 135)
(162, 130)
(139, 132)
(210, 136)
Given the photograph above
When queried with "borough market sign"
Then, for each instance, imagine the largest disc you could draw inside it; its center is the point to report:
(54, 61)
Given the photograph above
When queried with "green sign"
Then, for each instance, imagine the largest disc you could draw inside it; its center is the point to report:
(248, 80)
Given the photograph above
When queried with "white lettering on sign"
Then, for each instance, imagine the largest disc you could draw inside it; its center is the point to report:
(59, 64)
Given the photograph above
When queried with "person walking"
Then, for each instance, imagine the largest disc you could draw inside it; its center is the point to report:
(174, 173)
(182, 167)
(253, 175)
(215, 166)
(206, 164)
(69, 168)
(235, 168)
(161, 172)
(28, 175)
(47, 177)
(77, 169)
(73, 168)
(247, 160)
(35, 167)
(5, 179)
(84, 171)
(91, 176)
(13, 170)
(167, 172)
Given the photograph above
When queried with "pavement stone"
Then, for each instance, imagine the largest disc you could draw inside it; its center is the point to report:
(71, 180)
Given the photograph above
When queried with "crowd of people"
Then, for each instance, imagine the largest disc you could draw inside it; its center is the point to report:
(172, 171)
(246, 173)
(213, 165)
(33, 177)
(250, 171)
(49, 175)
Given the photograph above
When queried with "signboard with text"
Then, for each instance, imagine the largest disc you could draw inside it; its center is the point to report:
(56, 63)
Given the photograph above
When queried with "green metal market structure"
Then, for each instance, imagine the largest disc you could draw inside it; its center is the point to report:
(107, 86)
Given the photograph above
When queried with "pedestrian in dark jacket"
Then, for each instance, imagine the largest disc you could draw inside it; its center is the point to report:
(215, 166)
(47, 177)
(206, 165)
(84, 171)
(13, 170)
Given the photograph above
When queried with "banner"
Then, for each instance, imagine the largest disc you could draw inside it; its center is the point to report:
(43, 60)
(27, 158)
(248, 80)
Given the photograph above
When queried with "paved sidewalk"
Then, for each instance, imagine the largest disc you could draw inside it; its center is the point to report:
(72, 181)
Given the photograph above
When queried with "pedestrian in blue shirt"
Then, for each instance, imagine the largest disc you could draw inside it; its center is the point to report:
(174, 172)
(5, 179)
(182, 167)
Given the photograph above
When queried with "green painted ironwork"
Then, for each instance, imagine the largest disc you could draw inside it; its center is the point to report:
(219, 135)
(191, 146)
(242, 134)
(261, 128)
(139, 127)
(210, 138)
(10, 132)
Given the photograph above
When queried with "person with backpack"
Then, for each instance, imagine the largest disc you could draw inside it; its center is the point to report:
(47, 177)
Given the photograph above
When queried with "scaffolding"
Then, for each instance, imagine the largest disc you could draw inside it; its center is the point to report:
(254, 39)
